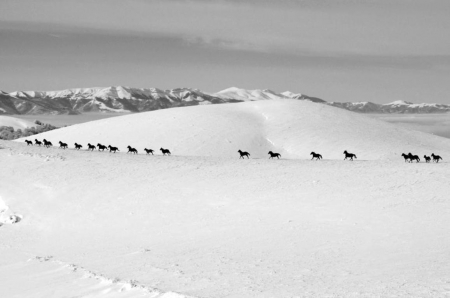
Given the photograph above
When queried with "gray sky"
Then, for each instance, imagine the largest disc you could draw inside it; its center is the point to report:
(339, 50)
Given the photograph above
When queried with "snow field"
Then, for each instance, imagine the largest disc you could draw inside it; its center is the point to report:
(223, 227)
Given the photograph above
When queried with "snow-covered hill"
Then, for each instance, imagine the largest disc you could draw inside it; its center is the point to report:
(293, 128)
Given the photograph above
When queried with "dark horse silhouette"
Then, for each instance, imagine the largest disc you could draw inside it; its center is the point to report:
(406, 157)
(243, 153)
(148, 151)
(273, 154)
(91, 147)
(36, 142)
(101, 147)
(62, 145)
(113, 149)
(132, 150)
(436, 158)
(165, 151)
(29, 143)
(78, 146)
(47, 143)
(427, 158)
(317, 156)
(413, 157)
(349, 155)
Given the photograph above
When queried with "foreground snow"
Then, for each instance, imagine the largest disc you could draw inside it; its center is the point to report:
(114, 225)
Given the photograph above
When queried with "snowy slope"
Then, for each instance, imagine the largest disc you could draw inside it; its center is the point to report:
(293, 128)
(114, 225)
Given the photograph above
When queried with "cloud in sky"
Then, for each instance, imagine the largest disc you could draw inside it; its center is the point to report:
(368, 27)
(336, 49)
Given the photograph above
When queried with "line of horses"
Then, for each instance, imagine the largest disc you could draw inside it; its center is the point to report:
(99, 147)
(242, 154)
(410, 157)
(315, 156)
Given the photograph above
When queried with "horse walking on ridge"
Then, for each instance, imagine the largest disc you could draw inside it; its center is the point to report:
(63, 145)
(406, 157)
(349, 155)
(317, 156)
(132, 150)
(413, 157)
(29, 143)
(165, 151)
(101, 147)
(78, 146)
(91, 147)
(243, 153)
(36, 142)
(436, 158)
(274, 154)
(113, 149)
(149, 151)
(47, 144)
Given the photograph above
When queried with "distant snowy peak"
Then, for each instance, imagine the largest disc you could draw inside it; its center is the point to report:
(399, 102)
(257, 94)
(105, 99)
(248, 95)
(290, 94)
(123, 99)
(396, 107)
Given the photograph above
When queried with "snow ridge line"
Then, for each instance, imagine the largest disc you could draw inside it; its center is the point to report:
(126, 285)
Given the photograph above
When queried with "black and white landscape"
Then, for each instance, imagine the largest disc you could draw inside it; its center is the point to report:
(186, 191)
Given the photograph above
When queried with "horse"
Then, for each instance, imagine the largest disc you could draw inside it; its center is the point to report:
(78, 146)
(148, 151)
(317, 156)
(272, 155)
(427, 158)
(413, 157)
(243, 153)
(62, 145)
(113, 149)
(165, 151)
(436, 158)
(47, 143)
(36, 142)
(406, 157)
(132, 150)
(349, 155)
(29, 143)
(101, 147)
(91, 147)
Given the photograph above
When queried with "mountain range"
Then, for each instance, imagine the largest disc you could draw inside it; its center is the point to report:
(119, 99)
